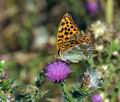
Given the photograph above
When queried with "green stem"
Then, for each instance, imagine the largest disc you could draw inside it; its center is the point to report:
(81, 100)
(67, 96)
(109, 11)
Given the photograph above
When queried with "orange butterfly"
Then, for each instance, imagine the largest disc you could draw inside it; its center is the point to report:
(71, 44)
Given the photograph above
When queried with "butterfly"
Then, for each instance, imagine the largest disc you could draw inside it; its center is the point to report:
(72, 45)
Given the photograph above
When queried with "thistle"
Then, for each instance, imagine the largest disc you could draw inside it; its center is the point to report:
(57, 71)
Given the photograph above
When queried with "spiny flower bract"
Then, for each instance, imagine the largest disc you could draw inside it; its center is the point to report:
(92, 79)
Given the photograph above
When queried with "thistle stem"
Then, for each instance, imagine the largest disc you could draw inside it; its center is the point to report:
(81, 100)
(109, 11)
(66, 94)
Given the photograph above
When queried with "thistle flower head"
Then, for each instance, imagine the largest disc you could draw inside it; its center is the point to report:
(57, 71)
(96, 98)
(92, 6)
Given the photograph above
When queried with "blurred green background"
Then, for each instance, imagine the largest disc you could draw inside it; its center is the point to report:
(28, 30)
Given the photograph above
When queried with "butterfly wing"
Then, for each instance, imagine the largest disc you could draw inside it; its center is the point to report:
(66, 36)
(72, 45)
(77, 53)
(73, 55)
(80, 51)
(86, 44)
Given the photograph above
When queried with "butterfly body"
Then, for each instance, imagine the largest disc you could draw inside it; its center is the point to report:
(69, 37)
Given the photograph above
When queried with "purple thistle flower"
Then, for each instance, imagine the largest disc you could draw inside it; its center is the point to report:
(57, 71)
(96, 98)
(92, 6)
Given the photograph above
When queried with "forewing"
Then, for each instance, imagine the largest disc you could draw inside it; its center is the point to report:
(67, 32)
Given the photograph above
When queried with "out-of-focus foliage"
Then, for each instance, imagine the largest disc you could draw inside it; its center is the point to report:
(28, 31)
